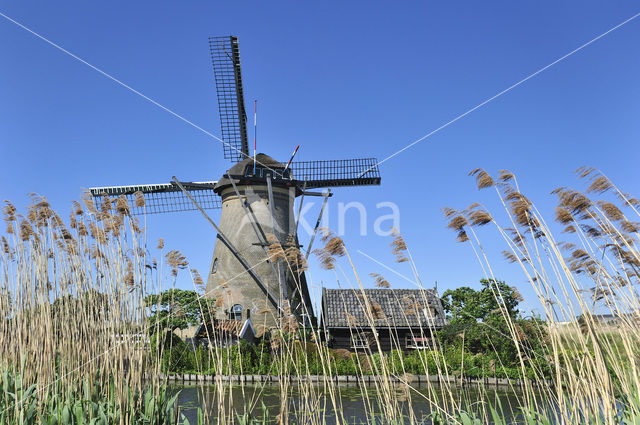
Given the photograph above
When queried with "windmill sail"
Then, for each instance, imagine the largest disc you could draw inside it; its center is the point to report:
(160, 198)
(337, 172)
(225, 55)
(258, 202)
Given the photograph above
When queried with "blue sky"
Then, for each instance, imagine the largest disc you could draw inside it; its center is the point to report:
(342, 79)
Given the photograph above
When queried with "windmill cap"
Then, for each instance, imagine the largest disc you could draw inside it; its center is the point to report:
(262, 160)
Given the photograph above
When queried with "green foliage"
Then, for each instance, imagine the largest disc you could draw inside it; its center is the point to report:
(240, 359)
(249, 419)
(479, 341)
(248, 359)
(178, 309)
(94, 303)
(17, 404)
(486, 325)
(466, 305)
(174, 354)
(84, 404)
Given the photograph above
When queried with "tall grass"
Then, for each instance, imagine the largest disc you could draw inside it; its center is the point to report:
(71, 305)
(593, 268)
(72, 299)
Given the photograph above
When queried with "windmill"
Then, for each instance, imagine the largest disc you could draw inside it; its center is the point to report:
(256, 196)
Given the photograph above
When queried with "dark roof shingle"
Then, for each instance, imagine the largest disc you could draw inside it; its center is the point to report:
(400, 307)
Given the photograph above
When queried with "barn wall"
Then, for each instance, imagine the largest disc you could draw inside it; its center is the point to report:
(340, 338)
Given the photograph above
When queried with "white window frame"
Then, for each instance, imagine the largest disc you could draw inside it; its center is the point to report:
(359, 340)
(233, 312)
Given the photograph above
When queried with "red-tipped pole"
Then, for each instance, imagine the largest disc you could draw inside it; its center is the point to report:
(291, 159)
(255, 133)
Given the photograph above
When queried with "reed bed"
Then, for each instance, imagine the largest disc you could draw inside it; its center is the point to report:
(72, 297)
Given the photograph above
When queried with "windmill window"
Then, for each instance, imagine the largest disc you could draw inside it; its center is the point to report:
(214, 266)
(248, 172)
(236, 312)
(261, 172)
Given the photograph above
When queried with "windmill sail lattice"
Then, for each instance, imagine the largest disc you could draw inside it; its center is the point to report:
(161, 198)
(225, 55)
(337, 172)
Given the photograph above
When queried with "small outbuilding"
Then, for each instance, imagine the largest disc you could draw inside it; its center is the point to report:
(404, 319)
(224, 333)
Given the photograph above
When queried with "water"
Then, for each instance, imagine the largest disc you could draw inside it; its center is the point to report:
(354, 406)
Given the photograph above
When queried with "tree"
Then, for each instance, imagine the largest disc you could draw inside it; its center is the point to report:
(496, 297)
(178, 309)
(484, 321)
(94, 304)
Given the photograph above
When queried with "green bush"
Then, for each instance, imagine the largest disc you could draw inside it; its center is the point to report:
(306, 358)
(175, 355)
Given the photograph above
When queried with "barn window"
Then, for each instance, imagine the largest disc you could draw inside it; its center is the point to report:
(359, 340)
(236, 312)
(214, 266)
(417, 342)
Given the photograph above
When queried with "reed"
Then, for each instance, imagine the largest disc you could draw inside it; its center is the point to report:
(595, 268)
(72, 297)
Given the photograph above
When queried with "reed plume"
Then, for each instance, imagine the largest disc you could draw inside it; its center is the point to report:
(462, 236)
(457, 223)
(600, 185)
(5, 246)
(563, 215)
(197, 280)
(612, 212)
(122, 206)
(26, 231)
(294, 257)
(479, 217)
(376, 311)
(398, 246)
(483, 179)
(9, 212)
(275, 250)
(139, 200)
(176, 261)
(89, 202)
(629, 226)
(505, 175)
(381, 282)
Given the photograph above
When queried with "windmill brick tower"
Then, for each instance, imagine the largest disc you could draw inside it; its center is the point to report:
(258, 218)
(256, 270)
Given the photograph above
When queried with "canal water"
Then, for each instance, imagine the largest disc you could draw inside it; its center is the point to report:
(355, 404)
